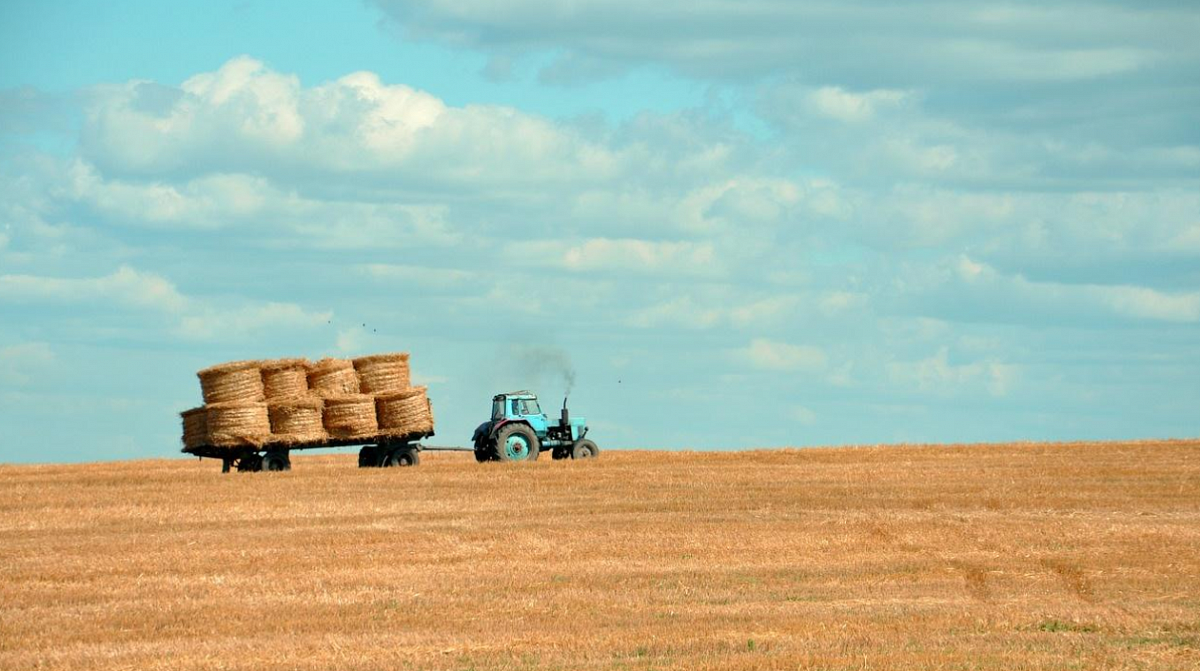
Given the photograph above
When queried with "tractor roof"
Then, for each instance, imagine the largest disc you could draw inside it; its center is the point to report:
(524, 393)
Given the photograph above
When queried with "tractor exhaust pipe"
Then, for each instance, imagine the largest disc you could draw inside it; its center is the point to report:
(566, 414)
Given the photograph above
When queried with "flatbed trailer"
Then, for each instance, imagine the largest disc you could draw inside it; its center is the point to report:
(379, 450)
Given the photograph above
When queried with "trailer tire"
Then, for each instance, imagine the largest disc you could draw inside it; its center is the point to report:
(276, 461)
(367, 457)
(516, 442)
(483, 455)
(249, 463)
(584, 449)
(401, 456)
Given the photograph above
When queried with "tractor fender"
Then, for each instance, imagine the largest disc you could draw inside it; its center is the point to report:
(482, 431)
(496, 426)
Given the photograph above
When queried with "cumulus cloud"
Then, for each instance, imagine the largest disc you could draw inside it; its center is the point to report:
(132, 290)
(837, 103)
(125, 287)
(248, 118)
(777, 356)
(19, 363)
(965, 288)
(938, 374)
(625, 255)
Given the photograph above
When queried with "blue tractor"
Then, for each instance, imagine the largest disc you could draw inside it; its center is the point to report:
(519, 431)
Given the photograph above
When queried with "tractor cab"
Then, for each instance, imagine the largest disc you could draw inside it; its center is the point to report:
(518, 430)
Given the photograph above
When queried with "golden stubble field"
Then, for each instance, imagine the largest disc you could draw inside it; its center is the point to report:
(1025, 556)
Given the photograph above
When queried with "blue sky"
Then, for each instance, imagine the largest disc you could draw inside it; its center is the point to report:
(741, 224)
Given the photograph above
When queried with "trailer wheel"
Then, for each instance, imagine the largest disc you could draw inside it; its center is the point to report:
(249, 463)
(483, 455)
(401, 456)
(516, 442)
(367, 457)
(276, 461)
(584, 449)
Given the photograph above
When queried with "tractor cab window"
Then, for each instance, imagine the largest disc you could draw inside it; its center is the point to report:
(497, 409)
(531, 408)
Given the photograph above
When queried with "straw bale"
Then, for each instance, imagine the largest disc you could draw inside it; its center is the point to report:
(195, 427)
(284, 378)
(383, 373)
(233, 382)
(333, 377)
(405, 412)
(238, 424)
(350, 416)
(297, 420)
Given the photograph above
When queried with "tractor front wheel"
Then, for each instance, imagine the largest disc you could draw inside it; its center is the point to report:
(584, 449)
(516, 442)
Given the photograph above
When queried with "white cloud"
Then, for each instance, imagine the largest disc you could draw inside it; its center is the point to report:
(837, 103)
(681, 311)
(625, 255)
(21, 362)
(126, 287)
(215, 322)
(132, 289)
(247, 118)
(995, 296)
(1143, 303)
(803, 415)
(939, 375)
(777, 356)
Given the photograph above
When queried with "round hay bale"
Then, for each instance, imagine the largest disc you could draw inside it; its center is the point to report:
(351, 416)
(333, 377)
(233, 382)
(297, 420)
(238, 424)
(195, 427)
(284, 378)
(406, 412)
(382, 373)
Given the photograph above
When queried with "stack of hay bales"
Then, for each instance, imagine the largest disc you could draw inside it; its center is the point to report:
(289, 402)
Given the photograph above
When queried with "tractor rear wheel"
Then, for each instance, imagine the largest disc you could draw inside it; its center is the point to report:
(584, 449)
(516, 442)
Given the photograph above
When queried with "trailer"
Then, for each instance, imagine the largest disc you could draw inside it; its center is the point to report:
(376, 451)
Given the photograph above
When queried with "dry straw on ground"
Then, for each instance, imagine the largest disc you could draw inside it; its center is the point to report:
(383, 373)
(333, 377)
(988, 558)
(195, 427)
(233, 382)
(350, 416)
(405, 412)
(238, 424)
(284, 378)
(297, 420)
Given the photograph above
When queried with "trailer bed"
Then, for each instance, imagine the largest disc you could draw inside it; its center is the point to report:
(375, 451)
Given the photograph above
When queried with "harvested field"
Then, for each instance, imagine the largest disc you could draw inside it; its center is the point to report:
(1022, 556)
